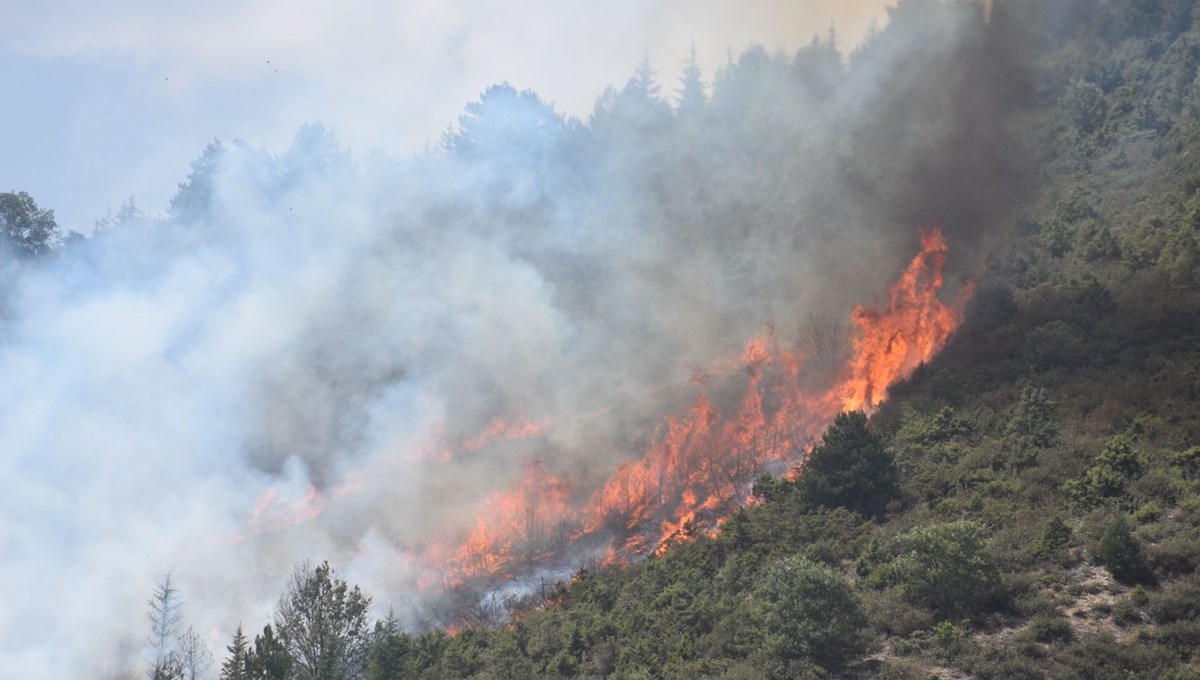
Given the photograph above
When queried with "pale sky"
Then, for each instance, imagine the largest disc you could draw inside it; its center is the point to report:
(104, 100)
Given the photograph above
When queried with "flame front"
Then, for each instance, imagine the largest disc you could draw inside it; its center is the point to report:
(701, 463)
(700, 466)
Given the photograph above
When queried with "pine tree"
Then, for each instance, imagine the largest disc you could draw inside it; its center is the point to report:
(850, 469)
(692, 99)
(643, 83)
(1121, 553)
(269, 660)
(196, 197)
(235, 666)
(390, 649)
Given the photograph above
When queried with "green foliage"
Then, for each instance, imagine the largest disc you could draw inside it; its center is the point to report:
(26, 228)
(235, 666)
(392, 653)
(1121, 553)
(850, 469)
(1087, 106)
(1188, 461)
(269, 659)
(946, 567)
(1050, 628)
(1147, 513)
(1053, 542)
(1178, 601)
(811, 612)
(1118, 455)
(1092, 294)
(1116, 464)
(939, 427)
(1031, 426)
(323, 624)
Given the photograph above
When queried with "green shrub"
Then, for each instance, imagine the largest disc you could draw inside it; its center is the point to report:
(1106, 479)
(1176, 602)
(1053, 542)
(1050, 628)
(1147, 513)
(1188, 461)
(1032, 424)
(1118, 455)
(811, 611)
(946, 567)
(1121, 553)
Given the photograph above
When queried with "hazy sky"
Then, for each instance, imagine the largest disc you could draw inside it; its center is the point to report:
(110, 99)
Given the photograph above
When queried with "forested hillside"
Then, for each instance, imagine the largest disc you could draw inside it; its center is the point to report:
(1024, 505)
(1047, 523)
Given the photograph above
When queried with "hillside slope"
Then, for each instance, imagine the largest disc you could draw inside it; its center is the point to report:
(1047, 518)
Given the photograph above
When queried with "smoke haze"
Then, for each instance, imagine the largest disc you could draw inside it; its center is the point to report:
(116, 98)
(294, 361)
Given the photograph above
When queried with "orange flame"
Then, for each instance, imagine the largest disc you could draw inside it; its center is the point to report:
(896, 339)
(501, 431)
(701, 463)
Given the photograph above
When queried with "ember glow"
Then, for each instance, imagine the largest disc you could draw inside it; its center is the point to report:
(702, 462)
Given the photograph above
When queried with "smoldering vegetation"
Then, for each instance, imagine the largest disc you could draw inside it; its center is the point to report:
(287, 362)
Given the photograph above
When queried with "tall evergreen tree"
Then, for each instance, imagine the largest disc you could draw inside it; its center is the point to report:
(691, 97)
(269, 659)
(643, 84)
(196, 198)
(390, 650)
(235, 665)
(850, 469)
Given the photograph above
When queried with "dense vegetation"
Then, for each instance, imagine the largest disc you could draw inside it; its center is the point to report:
(1028, 505)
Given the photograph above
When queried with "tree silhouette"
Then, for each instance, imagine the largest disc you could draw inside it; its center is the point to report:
(164, 618)
(691, 97)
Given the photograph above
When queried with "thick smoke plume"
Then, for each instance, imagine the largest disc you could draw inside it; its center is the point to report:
(315, 357)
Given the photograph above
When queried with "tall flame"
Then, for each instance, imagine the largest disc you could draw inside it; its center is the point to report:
(701, 463)
(895, 339)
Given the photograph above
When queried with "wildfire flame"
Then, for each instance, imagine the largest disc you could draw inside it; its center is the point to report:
(702, 462)
(894, 340)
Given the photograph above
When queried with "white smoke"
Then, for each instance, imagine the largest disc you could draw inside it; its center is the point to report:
(260, 377)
